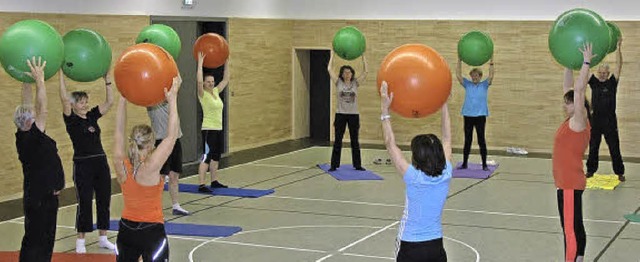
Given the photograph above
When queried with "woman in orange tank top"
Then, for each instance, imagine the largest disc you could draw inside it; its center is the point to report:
(142, 231)
(570, 144)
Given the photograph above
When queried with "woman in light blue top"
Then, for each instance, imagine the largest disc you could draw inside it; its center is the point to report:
(427, 181)
(475, 109)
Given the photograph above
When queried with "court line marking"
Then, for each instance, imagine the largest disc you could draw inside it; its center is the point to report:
(283, 166)
(268, 246)
(218, 240)
(358, 241)
(275, 228)
(446, 209)
(366, 256)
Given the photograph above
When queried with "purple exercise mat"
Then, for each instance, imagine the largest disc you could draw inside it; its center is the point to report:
(347, 172)
(473, 171)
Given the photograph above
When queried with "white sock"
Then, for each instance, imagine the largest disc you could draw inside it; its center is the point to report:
(105, 243)
(177, 206)
(80, 248)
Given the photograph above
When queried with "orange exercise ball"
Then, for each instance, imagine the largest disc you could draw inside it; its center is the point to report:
(142, 73)
(214, 46)
(419, 79)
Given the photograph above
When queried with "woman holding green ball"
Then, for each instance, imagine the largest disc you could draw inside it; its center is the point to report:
(346, 111)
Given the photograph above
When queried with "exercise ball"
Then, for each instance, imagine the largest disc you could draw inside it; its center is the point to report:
(349, 43)
(615, 36)
(419, 79)
(163, 36)
(214, 46)
(26, 39)
(87, 56)
(475, 48)
(142, 73)
(572, 30)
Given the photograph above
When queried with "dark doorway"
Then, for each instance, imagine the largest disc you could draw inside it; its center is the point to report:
(320, 96)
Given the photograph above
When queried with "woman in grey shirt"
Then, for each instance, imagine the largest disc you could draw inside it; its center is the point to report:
(346, 111)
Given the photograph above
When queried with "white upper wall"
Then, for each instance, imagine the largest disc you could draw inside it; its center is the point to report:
(336, 9)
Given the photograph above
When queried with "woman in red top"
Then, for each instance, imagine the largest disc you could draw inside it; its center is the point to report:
(138, 172)
(570, 144)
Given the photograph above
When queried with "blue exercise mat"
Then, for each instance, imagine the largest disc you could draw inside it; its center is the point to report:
(189, 229)
(347, 172)
(237, 192)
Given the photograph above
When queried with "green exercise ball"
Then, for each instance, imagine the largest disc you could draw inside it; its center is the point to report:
(87, 56)
(163, 36)
(475, 48)
(26, 39)
(571, 30)
(615, 35)
(349, 43)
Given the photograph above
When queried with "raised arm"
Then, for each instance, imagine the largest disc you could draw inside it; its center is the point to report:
(395, 153)
(567, 84)
(200, 75)
(37, 73)
(492, 71)
(578, 121)
(64, 98)
(459, 72)
(159, 156)
(27, 95)
(119, 153)
(365, 70)
(332, 74)
(446, 132)
(225, 79)
(108, 100)
(618, 60)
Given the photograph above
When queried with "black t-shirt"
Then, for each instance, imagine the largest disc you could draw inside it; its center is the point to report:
(603, 97)
(41, 165)
(84, 133)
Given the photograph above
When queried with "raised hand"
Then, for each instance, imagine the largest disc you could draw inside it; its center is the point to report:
(172, 94)
(385, 98)
(201, 57)
(587, 52)
(37, 68)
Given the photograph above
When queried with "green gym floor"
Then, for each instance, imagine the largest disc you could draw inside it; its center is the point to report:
(511, 216)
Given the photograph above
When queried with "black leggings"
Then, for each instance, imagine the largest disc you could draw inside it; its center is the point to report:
(425, 251)
(40, 214)
(136, 239)
(610, 132)
(479, 123)
(92, 175)
(340, 125)
(575, 237)
(213, 139)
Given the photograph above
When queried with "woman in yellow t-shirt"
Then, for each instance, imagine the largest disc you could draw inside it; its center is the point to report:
(212, 135)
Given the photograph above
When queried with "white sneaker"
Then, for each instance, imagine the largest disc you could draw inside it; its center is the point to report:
(80, 248)
(106, 244)
(521, 151)
(179, 211)
(510, 150)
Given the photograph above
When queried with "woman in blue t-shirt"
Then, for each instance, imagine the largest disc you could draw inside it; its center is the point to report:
(475, 109)
(427, 185)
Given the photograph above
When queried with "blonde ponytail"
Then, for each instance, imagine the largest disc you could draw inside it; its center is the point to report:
(140, 138)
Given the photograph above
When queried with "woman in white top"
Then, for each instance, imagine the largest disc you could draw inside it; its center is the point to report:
(346, 111)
